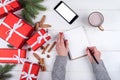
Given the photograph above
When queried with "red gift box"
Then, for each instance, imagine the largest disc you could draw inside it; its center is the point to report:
(30, 71)
(38, 39)
(14, 30)
(8, 6)
(12, 55)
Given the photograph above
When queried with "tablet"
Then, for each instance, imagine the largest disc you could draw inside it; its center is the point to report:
(66, 12)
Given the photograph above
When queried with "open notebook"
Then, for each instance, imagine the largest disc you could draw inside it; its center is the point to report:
(77, 42)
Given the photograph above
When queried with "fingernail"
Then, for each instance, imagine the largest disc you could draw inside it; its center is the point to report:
(61, 33)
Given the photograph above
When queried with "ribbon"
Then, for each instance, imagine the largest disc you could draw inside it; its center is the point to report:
(15, 57)
(6, 2)
(28, 76)
(12, 30)
(18, 57)
(39, 38)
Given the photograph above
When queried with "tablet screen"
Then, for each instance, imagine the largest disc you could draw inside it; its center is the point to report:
(65, 12)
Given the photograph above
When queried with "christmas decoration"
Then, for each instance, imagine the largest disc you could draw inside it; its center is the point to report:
(31, 9)
(30, 71)
(38, 39)
(52, 46)
(12, 55)
(14, 30)
(40, 61)
(41, 24)
(43, 52)
(7, 6)
(4, 75)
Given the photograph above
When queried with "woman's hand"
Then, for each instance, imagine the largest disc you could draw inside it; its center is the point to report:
(96, 52)
(62, 45)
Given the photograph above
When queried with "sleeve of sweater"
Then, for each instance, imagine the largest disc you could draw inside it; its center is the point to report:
(59, 68)
(100, 71)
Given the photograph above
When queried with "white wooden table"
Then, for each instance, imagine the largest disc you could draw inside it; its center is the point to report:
(108, 42)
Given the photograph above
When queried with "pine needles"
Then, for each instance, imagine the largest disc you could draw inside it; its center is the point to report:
(31, 8)
(4, 71)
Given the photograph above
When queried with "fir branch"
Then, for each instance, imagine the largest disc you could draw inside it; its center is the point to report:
(10, 46)
(4, 71)
(37, 1)
(31, 8)
(27, 16)
(39, 7)
(6, 68)
(6, 76)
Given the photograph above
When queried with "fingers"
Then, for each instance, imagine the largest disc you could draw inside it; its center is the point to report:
(88, 52)
(93, 48)
(89, 55)
(58, 38)
(61, 41)
(61, 38)
(96, 53)
(66, 44)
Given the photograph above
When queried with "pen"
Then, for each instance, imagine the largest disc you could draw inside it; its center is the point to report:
(92, 54)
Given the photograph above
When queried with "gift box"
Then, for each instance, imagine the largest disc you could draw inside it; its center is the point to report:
(30, 71)
(12, 55)
(8, 6)
(38, 39)
(14, 30)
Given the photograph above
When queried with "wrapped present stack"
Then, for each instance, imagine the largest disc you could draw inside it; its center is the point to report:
(17, 32)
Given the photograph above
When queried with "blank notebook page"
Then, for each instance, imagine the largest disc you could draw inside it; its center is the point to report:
(77, 42)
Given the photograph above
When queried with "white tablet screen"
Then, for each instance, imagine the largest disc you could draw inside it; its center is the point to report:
(64, 11)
